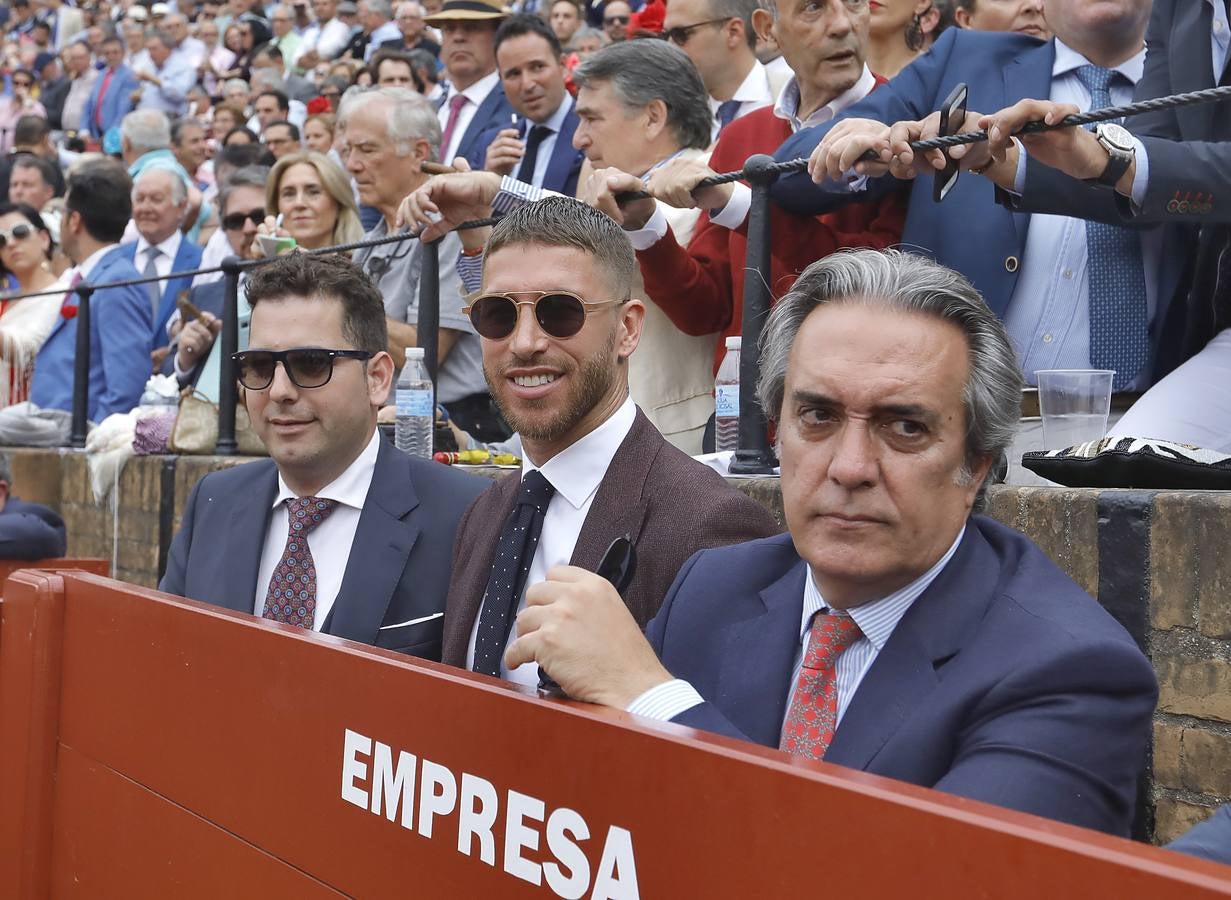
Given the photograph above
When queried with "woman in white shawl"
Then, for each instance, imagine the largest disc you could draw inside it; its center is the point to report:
(25, 253)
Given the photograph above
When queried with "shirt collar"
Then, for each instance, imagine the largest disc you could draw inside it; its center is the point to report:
(556, 120)
(351, 487)
(169, 247)
(478, 91)
(753, 89)
(577, 470)
(787, 106)
(878, 619)
(1068, 59)
(87, 267)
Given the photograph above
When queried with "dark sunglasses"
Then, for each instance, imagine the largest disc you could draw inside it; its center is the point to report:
(17, 233)
(559, 313)
(617, 20)
(235, 221)
(22, 84)
(307, 367)
(681, 33)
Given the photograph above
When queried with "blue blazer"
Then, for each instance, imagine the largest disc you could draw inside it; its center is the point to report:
(399, 563)
(1004, 681)
(30, 531)
(969, 231)
(188, 256)
(120, 328)
(565, 165)
(116, 105)
(495, 112)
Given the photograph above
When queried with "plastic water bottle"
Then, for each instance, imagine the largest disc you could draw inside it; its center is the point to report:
(726, 399)
(416, 407)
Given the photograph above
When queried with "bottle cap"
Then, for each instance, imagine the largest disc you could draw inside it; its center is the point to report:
(734, 342)
(414, 353)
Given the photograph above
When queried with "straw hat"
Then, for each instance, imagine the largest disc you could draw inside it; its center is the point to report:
(468, 9)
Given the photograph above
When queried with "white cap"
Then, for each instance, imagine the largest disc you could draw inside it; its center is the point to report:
(160, 9)
(734, 342)
(414, 353)
(137, 13)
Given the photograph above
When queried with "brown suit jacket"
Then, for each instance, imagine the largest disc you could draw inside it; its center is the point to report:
(669, 504)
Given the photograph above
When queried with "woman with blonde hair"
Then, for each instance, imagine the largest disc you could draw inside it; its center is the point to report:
(313, 196)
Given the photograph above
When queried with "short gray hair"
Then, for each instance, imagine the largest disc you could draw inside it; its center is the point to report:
(236, 82)
(557, 221)
(248, 176)
(146, 130)
(179, 190)
(993, 393)
(162, 36)
(410, 116)
(380, 7)
(642, 71)
(266, 79)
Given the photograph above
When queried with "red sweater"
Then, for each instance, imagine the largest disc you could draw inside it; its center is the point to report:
(702, 288)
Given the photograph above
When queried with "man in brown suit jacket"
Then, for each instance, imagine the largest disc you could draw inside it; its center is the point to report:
(558, 325)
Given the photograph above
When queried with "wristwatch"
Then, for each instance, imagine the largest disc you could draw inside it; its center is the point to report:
(1121, 151)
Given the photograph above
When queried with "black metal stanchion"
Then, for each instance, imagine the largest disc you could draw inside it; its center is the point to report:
(428, 325)
(754, 456)
(227, 392)
(81, 370)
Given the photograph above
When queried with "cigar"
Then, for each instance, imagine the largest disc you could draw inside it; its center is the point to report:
(435, 168)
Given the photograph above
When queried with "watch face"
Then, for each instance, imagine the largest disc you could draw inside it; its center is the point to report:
(1116, 135)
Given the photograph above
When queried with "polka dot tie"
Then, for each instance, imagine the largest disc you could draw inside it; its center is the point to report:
(514, 553)
(1119, 337)
(813, 714)
(291, 597)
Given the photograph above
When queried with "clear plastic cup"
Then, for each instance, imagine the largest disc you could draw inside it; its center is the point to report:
(1074, 404)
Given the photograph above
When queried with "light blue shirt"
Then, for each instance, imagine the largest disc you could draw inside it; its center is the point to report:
(177, 75)
(876, 621)
(1048, 317)
(548, 145)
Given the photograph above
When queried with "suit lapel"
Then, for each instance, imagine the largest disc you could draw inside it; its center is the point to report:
(183, 260)
(245, 540)
(565, 162)
(1027, 76)
(383, 539)
(931, 632)
(1192, 69)
(482, 119)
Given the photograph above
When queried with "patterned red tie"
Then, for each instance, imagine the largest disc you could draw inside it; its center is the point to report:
(291, 597)
(813, 713)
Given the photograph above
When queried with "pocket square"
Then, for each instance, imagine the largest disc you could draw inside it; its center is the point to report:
(418, 621)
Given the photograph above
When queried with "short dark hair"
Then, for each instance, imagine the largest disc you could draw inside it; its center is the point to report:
(46, 170)
(326, 277)
(558, 221)
(523, 24)
(290, 126)
(423, 64)
(178, 127)
(100, 190)
(380, 57)
(239, 155)
(269, 49)
(30, 130)
(284, 102)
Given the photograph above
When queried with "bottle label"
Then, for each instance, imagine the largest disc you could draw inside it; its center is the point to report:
(414, 402)
(726, 401)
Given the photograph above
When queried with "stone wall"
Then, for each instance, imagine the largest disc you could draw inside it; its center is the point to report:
(1159, 561)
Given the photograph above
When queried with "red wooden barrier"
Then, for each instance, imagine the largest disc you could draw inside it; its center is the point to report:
(153, 747)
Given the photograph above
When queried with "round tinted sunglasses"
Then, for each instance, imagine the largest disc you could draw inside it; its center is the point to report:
(559, 313)
(16, 233)
(307, 367)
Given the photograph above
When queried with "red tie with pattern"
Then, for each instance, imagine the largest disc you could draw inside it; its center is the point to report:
(291, 597)
(813, 713)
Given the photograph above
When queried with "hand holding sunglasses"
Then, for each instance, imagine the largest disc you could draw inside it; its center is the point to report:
(561, 314)
(307, 367)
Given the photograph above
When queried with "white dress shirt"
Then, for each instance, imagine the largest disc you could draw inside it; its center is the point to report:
(548, 145)
(1048, 317)
(330, 542)
(164, 261)
(386, 32)
(576, 473)
(476, 94)
(328, 40)
(753, 93)
(876, 621)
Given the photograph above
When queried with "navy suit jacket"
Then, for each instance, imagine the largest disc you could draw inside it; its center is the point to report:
(495, 112)
(1004, 681)
(116, 104)
(30, 531)
(969, 231)
(1210, 840)
(565, 165)
(399, 564)
(121, 326)
(188, 256)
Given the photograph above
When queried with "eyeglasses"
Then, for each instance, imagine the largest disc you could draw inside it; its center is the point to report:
(559, 313)
(616, 20)
(21, 84)
(680, 34)
(16, 233)
(235, 221)
(307, 367)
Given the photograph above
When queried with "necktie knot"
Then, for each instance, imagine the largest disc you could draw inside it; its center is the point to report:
(830, 635)
(456, 102)
(727, 110)
(306, 513)
(1095, 78)
(535, 491)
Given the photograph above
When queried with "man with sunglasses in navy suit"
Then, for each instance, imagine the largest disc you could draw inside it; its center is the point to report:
(340, 533)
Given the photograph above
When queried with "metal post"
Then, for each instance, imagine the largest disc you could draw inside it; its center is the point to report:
(81, 369)
(227, 392)
(428, 325)
(754, 456)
